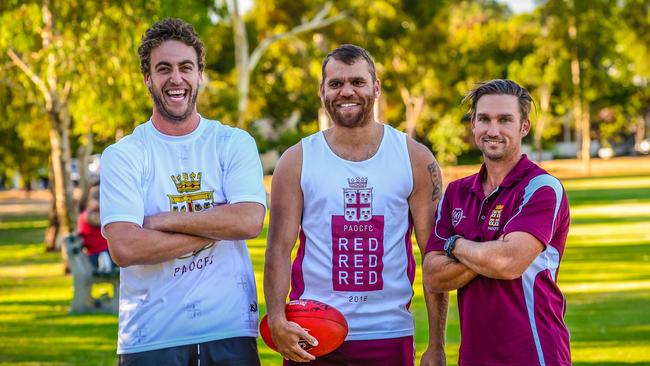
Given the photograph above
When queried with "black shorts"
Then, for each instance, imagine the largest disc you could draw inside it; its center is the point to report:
(239, 351)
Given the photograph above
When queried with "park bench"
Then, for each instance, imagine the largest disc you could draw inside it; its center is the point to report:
(84, 276)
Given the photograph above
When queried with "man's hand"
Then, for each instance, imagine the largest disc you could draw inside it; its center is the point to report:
(286, 336)
(434, 356)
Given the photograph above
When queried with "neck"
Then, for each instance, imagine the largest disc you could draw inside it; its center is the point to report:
(175, 128)
(496, 172)
(356, 143)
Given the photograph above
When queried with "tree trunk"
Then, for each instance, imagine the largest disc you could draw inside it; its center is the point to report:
(379, 108)
(55, 104)
(246, 62)
(639, 133)
(544, 103)
(581, 121)
(52, 231)
(323, 119)
(414, 106)
(241, 60)
(83, 158)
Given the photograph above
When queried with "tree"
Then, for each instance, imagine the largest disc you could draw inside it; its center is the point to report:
(64, 55)
(246, 62)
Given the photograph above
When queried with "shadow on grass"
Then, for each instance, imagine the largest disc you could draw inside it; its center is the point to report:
(624, 252)
(610, 220)
(607, 196)
(31, 303)
(55, 337)
(22, 235)
(620, 316)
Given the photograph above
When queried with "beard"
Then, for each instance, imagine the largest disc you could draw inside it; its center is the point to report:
(354, 119)
(168, 115)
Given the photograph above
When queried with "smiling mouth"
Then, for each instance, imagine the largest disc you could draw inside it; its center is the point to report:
(491, 142)
(176, 95)
(347, 106)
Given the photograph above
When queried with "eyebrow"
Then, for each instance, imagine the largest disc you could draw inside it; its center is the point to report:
(352, 79)
(165, 63)
(498, 115)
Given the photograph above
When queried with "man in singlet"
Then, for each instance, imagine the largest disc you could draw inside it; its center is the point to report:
(353, 194)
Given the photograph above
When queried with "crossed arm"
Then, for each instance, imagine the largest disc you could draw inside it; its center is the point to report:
(168, 235)
(505, 258)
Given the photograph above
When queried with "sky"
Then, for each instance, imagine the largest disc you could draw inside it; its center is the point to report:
(517, 6)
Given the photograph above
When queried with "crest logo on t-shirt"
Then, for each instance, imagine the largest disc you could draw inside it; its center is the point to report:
(456, 216)
(190, 198)
(358, 200)
(495, 218)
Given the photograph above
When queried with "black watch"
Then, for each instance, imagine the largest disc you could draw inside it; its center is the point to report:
(450, 244)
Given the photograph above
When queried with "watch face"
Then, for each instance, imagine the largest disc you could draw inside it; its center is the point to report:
(447, 243)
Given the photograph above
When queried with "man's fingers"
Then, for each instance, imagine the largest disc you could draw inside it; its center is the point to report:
(295, 349)
(297, 354)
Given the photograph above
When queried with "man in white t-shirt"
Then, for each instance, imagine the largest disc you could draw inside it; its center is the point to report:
(179, 197)
(353, 194)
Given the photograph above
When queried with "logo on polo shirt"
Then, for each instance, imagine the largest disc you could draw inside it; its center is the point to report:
(456, 216)
(495, 218)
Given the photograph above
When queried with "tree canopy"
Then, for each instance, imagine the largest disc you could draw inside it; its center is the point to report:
(585, 63)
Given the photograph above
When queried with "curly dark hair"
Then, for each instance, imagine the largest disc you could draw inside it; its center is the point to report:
(165, 30)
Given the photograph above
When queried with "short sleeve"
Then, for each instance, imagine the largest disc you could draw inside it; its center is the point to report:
(121, 194)
(243, 175)
(442, 228)
(540, 209)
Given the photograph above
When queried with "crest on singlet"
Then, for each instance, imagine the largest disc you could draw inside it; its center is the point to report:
(357, 241)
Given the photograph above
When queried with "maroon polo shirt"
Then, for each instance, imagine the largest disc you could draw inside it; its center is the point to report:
(520, 321)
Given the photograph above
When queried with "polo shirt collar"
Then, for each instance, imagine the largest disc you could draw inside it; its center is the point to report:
(516, 174)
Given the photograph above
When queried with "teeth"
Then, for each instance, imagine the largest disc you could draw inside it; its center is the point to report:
(176, 92)
(347, 105)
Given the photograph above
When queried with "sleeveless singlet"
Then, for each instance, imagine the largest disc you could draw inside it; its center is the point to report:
(355, 249)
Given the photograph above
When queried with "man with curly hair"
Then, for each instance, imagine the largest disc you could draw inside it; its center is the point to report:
(179, 197)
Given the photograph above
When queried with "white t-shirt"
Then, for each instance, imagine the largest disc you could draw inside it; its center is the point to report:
(199, 297)
(355, 249)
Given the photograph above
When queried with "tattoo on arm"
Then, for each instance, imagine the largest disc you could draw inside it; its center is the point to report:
(436, 179)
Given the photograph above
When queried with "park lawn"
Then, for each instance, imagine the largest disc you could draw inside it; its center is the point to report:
(605, 275)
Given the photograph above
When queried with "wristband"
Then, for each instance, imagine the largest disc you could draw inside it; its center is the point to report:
(450, 244)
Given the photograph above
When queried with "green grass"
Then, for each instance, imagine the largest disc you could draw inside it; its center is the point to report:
(605, 275)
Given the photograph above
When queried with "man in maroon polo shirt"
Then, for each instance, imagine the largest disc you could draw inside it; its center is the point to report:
(498, 238)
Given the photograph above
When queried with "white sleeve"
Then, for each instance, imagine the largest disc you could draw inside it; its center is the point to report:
(121, 194)
(243, 175)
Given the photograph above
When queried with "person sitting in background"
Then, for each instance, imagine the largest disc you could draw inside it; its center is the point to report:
(89, 229)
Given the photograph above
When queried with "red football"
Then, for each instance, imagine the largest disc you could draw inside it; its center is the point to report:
(322, 321)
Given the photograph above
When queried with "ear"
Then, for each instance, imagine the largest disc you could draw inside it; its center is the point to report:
(525, 128)
(377, 88)
(472, 123)
(321, 91)
(147, 80)
(200, 77)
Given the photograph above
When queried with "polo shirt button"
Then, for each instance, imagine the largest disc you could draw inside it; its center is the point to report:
(482, 217)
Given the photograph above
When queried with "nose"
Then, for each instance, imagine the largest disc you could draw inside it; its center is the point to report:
(347, 90)
(176, 77)
(493, 128)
